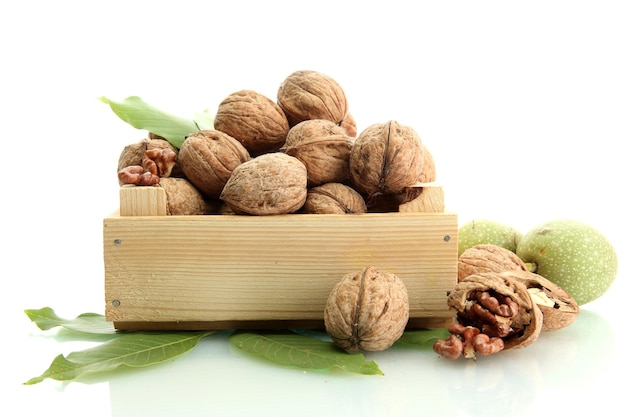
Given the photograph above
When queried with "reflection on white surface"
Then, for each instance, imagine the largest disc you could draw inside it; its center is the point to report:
(217, 379)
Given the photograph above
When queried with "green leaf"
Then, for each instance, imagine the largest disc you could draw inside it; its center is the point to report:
(131, 349)
(424, 338)
(304, 352)
(46, 319)
(141, 115)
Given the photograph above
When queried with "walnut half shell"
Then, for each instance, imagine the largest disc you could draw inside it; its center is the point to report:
(518, 327)
(559, 309)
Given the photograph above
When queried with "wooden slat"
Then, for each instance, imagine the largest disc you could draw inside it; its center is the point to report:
(245, 269)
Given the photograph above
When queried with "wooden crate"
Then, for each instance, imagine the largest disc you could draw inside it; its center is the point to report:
(224, 271)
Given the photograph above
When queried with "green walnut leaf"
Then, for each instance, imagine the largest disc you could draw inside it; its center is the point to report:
(423, 338)
(46, 319)
(130, 349)
(141, 115)
(287, 348)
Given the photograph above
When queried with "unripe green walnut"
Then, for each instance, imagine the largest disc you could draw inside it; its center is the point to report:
(481, 232)
(573, 255)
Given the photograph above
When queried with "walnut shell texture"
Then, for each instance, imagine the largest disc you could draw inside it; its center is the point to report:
(306, 94)
(349, 125)
(333, 198)
(488, 258)
(429, 169)
(526, 325)
(323, 147)
(272, 183)
(367, 310)
(254, 120)
(386, 158)
(557, 316)
(208, 158)
(183, 198)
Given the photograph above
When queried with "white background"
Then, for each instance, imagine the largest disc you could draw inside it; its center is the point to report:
(522, 105)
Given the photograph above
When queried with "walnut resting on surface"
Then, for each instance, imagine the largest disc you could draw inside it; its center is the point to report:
(367, 310)
(559, 309)
(499, 307)
(272, 183)
(183, 198)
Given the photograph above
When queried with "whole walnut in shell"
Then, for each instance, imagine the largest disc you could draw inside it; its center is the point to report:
(349, 125)
(208, 158)
(323, 147)
(183, 198)
(254, 120)
(367, 310)
(429, 169)
(386, 158)
(307, 94)
(333, 198)
(272, 183)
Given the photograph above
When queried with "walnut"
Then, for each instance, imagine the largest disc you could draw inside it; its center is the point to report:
(323, 147)
(349, 125)
(306, 95)
(386, 158)
(498, 306)
(134, 154)
(208, 157)
(183, 198)
(367, 310)
(272, 183)
(558, 307)
(333, 198)
(429, 170)
(254, 120)
(488, 258)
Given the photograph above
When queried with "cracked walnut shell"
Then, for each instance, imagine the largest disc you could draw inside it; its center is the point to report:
(367, 310)
(254, 120)
(488, 258)
(272, 183)
(516, 319)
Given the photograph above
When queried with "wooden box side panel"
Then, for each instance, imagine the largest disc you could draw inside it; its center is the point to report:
(225, 268)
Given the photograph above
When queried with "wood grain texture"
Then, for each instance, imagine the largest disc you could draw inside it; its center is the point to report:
(237, 271)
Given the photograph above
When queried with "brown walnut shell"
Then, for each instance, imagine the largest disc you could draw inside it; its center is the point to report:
(323, 147)
(208, 158)
(183, 198)
(367, 310)
(333, 198)
(558, 307)
(488, 258)
(272, 183)
(386, 158)
(306, 95)
(349, 125)
(522, 329)
(254, 120)
(429, 169)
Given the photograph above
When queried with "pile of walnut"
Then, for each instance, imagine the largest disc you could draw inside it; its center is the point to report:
(298, 154)
(501, 305)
